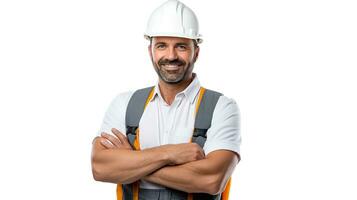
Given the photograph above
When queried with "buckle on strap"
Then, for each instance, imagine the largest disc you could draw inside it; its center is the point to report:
(197, 132)
(131, 130)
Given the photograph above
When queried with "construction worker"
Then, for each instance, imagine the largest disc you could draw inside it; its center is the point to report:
(175, 140)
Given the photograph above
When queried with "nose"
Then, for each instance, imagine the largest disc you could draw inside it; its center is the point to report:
(172, 54)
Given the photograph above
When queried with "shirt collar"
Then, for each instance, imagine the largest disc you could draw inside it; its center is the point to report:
(189, 92)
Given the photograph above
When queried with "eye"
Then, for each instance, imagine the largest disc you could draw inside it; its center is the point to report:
(160, 46)
(182, 47)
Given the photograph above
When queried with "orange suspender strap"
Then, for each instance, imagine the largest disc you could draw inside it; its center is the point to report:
(200, 95)
(119, 191)
(135, 185)
(225, 193)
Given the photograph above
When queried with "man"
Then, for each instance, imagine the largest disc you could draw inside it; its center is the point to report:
(160, 161)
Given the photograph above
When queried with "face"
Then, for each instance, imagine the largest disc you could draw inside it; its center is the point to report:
(173, 58)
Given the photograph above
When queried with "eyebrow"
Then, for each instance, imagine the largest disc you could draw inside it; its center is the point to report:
(160, 43)
(182, 43)
(177, 44)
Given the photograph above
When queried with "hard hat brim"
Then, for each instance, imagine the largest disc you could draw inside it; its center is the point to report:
(198, 38)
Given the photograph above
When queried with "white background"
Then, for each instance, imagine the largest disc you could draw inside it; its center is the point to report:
(289, 64)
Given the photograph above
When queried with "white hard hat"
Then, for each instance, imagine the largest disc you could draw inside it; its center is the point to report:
(174, 19)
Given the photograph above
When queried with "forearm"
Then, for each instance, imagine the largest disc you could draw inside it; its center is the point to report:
(126, 166)
(189, 177)
(202, 176)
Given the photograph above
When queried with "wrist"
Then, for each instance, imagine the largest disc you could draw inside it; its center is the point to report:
(166, 154)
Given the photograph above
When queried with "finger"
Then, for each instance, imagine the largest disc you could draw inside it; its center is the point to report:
(203, 154)
(121, 136)
(116, 131)
(124, 140)
(114, 140)
(106, 143)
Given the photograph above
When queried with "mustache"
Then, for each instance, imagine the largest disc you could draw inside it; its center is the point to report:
(177, 61)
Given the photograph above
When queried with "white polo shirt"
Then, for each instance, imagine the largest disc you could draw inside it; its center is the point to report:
(163, 124)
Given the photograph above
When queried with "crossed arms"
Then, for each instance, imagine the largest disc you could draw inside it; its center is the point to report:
(180, 166)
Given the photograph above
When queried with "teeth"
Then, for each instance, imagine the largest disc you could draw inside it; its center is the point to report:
(171, 67)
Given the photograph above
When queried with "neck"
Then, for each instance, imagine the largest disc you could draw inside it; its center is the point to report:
(169, 91)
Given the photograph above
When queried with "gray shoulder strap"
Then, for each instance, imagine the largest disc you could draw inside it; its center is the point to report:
(134, 111)
(204, 116)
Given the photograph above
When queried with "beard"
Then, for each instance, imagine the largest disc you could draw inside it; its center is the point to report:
(172, 71)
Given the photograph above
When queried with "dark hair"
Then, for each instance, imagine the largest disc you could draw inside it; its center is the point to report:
(195, 43)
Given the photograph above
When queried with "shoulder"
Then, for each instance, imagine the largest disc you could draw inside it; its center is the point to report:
(115, 114)
(124, 96)
(122, 99)
(226, 108)
(224, 103)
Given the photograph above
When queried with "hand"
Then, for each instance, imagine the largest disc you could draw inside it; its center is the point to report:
(119, 141)
(184, 153)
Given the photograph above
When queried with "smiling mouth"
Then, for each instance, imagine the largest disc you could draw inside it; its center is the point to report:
(171, 67)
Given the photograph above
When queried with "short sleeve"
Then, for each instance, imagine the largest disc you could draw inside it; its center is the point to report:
(224, 132)
(115, 115)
